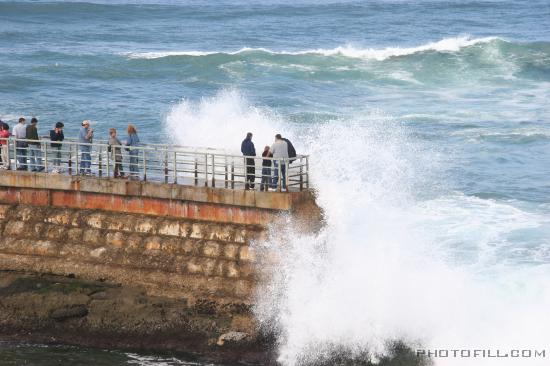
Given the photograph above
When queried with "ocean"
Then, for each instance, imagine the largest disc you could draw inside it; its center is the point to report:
(427, 123)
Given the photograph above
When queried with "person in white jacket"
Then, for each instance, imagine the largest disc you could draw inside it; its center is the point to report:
(20, 132)
(279, 149)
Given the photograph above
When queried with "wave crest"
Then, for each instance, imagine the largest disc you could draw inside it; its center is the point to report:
(453, 44)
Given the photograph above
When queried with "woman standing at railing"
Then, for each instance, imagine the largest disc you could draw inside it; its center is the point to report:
(116, 151)
(85, 139)
(4, 145)
(132, 142)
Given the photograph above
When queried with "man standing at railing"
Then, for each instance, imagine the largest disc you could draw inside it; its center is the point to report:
(20, 132)
(35, 149)
(85, 137)
(247, 148)
(279, 149)
(57, 135)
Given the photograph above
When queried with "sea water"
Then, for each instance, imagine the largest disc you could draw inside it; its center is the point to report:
(427, 123)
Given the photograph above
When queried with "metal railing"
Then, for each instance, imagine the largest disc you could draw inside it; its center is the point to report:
(161, 163)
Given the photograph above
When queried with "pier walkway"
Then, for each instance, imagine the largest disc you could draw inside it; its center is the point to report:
(173, 164)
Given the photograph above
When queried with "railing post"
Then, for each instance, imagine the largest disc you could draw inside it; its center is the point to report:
(287, 167)
(307, 172)
(175, 167)
(226, 182)
(144, 166)
(301, 174)
(15, 162)
(166, 166)
(77, 160)
(45, 158)
(279, 172)
(9, 157)
(100, 162)
(213, 172)
(196, 171)
(70, 162)
(232, 174)
(108, 158)
(206, 170)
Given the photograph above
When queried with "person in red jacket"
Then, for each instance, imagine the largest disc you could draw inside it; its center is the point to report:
(4, 145)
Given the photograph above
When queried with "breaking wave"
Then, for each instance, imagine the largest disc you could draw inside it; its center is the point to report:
(401, 257)
(453, 44)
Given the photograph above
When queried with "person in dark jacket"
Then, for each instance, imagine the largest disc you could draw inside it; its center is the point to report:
(35, 148)
(291, 150)
(57, 135)
(247, 148)
(266, 169)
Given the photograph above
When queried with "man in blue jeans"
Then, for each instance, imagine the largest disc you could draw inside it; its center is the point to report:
(35, 148)
(279, 150)
(20, 132)
(85, 137)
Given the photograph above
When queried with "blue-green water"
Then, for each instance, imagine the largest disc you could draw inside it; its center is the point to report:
(427, 121)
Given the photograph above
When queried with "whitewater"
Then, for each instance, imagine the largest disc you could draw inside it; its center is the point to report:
(389, 265)
(427, 128)
(445, 45)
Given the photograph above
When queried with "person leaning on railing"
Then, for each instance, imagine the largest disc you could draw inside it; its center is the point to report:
(132, 142)
(85, 137)
(4, 145)
(20, 132)
(279, 149)
(248, 149)
(35, 149)
(116, 151)
(57, 135)
(266, 170)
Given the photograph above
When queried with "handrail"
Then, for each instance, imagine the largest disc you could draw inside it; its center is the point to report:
(156, 162)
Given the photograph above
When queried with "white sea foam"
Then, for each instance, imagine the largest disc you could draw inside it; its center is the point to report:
(221, 122)
(388, 264)
(453, 44)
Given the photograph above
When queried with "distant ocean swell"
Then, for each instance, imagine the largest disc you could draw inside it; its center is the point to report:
(460, 55)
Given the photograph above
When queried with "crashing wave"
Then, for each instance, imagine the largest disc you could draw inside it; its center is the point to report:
(453, 44)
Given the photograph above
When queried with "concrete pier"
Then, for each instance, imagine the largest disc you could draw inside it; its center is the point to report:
(184, 247)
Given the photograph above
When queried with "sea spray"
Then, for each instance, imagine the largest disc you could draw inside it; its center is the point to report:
(221, 122)
(401, 256)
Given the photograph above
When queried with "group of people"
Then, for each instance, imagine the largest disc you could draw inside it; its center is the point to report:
(276, 157)
(29, 149)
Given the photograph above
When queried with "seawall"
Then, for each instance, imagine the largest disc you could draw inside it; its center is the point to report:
(121, 263)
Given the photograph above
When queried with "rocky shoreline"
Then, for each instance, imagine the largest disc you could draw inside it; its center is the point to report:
(51, 309)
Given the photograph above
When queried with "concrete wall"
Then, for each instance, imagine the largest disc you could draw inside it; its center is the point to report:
(165, 246)
(199, 203)
(165, 256)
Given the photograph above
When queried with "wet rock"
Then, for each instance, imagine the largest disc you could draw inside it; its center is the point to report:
(232, 338)
(73, 311)
(101, 295)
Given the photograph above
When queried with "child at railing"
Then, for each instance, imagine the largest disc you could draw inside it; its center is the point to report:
(266, 169)
(116, 151)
